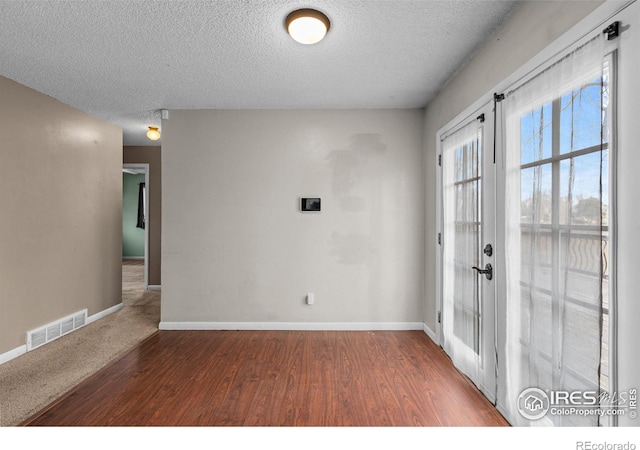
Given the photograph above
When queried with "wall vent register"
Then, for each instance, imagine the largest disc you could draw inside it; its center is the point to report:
(54, 330)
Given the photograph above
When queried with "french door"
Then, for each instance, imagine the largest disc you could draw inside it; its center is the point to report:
(524, 280)
(557, 216)
(468, 248)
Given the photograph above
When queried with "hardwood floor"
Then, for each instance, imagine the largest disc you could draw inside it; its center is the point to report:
(277, 378)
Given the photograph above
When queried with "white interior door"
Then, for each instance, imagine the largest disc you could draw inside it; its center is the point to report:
(468, 266)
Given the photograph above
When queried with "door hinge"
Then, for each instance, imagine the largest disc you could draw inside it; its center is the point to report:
(439, 238)
(439, 317)
(440, 160)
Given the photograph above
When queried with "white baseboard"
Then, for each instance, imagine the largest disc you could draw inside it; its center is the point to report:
(502, 411)
(154, 287)
(8, 356)
(134, 258)
(106, 312)
(431, 334)
(297, 326)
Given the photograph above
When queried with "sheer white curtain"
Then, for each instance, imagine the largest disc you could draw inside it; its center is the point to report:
(556, 201)
(461, 190)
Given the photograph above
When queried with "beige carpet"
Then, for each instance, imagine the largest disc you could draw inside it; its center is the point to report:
(33, 380)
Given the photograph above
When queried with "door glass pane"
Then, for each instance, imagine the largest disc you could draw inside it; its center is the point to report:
(535, 192)
(581, 118)
(467, 242)
(536, 127)
(584, 198)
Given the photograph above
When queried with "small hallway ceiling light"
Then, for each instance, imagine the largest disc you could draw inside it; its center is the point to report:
(153, 133)
(307, 26)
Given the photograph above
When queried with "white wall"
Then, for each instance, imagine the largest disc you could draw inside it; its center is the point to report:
(236, 248)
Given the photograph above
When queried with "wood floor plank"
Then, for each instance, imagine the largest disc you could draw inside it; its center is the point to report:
(277, 378)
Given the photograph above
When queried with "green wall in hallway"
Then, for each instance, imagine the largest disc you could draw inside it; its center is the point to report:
(132, 237)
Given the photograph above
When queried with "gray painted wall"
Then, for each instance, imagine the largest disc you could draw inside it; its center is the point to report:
(236, 248)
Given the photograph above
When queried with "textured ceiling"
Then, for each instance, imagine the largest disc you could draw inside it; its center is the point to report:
(123, 61)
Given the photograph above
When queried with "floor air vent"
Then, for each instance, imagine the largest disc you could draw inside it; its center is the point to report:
(53, 330)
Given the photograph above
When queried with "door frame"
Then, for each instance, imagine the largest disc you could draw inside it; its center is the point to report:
(144, 167)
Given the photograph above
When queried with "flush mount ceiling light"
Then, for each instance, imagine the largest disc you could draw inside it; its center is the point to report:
(153, 133)
(307, 26)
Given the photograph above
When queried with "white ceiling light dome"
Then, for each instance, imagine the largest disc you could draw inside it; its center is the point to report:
(153, 133)
(307, 26)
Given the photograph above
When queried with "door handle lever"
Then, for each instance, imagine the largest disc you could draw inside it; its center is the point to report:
(487, 271)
